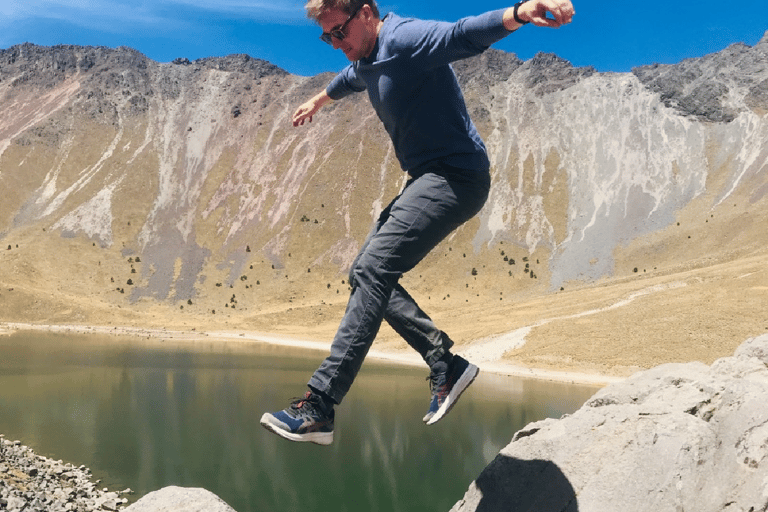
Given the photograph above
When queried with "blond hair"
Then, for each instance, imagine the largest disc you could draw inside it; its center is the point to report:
(316, 8)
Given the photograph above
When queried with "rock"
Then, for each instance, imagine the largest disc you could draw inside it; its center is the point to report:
(678, 437)
(704, 88)
(180, 499)
(15, 503)
(32, 483)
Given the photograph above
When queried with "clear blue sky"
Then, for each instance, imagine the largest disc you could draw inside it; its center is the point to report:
(611, 36)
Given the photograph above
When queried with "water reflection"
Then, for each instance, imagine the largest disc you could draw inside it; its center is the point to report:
(145, 414)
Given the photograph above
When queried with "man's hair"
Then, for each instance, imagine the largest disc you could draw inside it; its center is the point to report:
(316, 8)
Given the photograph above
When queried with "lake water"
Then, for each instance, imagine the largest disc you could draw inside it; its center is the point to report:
(146, 414)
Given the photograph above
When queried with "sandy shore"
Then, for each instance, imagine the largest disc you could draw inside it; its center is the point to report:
(485, 355)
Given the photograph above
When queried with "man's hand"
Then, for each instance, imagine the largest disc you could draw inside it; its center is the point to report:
(535, 11)
(310, 108)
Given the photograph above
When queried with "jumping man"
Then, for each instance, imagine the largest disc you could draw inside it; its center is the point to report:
(404, 64)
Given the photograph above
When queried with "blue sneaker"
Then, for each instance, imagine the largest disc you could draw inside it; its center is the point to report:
(304, 421)
(447, 387)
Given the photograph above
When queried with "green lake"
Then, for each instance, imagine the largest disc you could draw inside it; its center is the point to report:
(147, 413)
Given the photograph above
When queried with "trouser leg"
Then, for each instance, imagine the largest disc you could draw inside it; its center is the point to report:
(430, 207)
(413, 325)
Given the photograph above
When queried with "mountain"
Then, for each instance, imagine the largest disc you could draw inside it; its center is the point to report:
(180, 195)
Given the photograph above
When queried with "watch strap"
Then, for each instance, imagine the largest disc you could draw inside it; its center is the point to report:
(514, 12)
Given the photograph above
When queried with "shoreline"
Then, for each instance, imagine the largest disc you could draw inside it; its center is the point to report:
(488, 362)
(33, 482)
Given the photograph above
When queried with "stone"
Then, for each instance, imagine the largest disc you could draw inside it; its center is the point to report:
(679, 437)
(180, 499)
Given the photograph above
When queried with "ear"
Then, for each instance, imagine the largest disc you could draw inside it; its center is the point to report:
(367, 13)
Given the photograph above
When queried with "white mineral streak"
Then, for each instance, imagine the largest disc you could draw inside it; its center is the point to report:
(630, 161)
(26, 111)
(94, 217)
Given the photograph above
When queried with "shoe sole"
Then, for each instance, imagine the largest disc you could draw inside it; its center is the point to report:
(467, 378)
(270, 423)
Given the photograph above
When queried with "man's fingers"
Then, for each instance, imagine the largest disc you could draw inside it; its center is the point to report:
(300, 117)
(545, 22)
(561, 13)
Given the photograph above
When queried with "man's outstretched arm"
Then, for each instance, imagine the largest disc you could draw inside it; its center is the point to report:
(535, 11)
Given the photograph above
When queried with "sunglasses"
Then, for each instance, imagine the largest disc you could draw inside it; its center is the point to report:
(338, 32)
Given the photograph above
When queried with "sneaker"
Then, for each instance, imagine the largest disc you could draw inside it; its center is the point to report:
(447, 387)
(303, 421)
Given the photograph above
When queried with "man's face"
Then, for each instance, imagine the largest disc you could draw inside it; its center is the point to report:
(359, 38)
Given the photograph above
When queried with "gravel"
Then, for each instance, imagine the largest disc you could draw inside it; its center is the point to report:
(31, 483)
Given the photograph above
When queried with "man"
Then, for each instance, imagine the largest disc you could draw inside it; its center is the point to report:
(404, 66)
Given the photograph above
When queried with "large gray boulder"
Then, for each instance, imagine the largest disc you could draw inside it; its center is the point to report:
(678, 438)
(180, 499)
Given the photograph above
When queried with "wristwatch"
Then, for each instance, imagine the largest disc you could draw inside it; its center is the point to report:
(514, 12)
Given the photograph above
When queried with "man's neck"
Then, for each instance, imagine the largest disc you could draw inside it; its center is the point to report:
(375, 38)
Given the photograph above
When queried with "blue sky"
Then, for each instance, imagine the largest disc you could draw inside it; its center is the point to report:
(611, 36)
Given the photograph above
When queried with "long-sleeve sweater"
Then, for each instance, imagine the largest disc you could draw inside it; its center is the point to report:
(414, 90)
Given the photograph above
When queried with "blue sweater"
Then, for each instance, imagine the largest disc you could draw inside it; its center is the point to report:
(414, 91)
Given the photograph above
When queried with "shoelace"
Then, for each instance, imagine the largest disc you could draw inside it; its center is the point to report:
(307, 402)
(436, 381)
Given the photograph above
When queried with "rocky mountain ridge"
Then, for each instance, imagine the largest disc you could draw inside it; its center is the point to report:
(135, 189)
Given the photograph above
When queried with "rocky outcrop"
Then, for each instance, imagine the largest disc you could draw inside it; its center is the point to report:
(180, 499)
(32, 483)
(709, 88)
(679, 437)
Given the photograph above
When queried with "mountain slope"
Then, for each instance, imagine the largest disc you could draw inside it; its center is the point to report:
(179, 194)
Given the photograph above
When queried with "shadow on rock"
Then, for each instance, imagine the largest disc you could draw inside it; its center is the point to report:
(510, 484)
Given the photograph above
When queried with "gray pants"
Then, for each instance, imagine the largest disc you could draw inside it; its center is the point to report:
(435, 201)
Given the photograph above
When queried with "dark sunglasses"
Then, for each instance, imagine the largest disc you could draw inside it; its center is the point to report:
(338, 32)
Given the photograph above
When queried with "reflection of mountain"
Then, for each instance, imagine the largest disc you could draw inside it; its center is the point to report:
(150, 415)
(187, 179)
